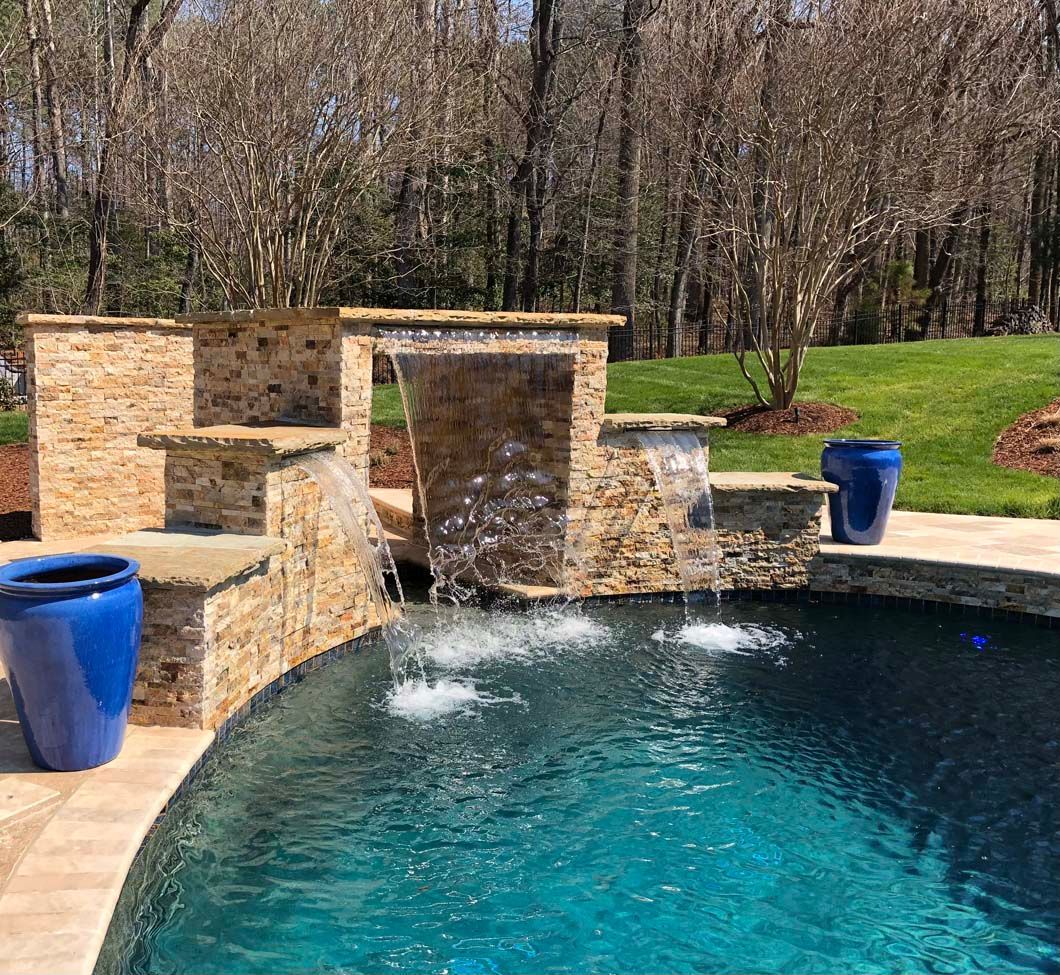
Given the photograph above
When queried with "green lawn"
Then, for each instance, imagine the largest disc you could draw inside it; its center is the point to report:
(13, 427)
(947, 401)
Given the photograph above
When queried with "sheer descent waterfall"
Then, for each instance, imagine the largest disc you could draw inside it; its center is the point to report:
(342, 486)
(491, 442)
(679, 466)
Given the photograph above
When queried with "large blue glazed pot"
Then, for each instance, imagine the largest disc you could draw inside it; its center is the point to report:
(866, 472)
(70, 642)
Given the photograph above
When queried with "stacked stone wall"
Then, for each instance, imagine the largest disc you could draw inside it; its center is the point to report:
(620, 541)
(94, 385)
(935, 581)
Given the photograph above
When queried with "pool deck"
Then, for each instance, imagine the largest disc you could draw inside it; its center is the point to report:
(67, 840)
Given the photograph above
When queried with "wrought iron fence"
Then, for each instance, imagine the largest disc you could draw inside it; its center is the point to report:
(13, 373)
(949, 318)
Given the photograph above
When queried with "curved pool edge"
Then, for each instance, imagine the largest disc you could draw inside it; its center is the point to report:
(87, 829)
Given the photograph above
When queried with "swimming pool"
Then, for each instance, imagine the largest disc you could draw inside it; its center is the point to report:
(624, 789)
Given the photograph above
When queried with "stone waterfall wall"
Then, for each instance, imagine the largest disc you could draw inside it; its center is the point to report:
(470, 395)
(767, 525)
(94, 385)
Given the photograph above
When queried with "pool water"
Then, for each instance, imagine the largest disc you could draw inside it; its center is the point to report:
(622, 789)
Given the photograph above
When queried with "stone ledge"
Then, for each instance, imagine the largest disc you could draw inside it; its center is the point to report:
(174, 558)
(28, 320)
(403, 317)
(1040, 569)
(636, 422)
(270, 440)
(770, 481)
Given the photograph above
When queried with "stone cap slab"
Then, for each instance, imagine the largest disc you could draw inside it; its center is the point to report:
(30, 319)
(770, 481)
(269, 440)
(670, 422)
(410, 317)
(179, 558)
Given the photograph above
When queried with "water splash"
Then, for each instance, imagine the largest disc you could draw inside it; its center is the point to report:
(342, 485)
(490, 436)
(679, 467)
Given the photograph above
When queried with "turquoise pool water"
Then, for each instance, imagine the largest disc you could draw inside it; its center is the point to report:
(761, 788)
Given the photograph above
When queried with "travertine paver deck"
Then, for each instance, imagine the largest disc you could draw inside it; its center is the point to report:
(1020, 544)
(67, 840)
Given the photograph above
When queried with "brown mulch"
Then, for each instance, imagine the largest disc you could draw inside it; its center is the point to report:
(14, 492)
(1024, 445)
(798, 419)
(390, 458)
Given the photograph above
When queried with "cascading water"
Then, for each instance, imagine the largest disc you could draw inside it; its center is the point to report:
(491, 443)
(682, 478)
(349, 498)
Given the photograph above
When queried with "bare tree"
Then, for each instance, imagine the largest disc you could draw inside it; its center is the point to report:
(294, 112)
(828, 145)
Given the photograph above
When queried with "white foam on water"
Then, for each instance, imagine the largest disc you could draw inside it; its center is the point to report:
(468, 642)
(723, 638)
(421, 700)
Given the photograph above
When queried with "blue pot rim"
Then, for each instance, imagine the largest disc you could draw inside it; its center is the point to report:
(866, 444)
(114, 570)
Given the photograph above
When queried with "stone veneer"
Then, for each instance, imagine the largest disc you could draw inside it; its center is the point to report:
(767, 525)
(937, 580)
(94, 385)
(253, 575)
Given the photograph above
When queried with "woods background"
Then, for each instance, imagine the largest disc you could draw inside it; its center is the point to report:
(768, 163)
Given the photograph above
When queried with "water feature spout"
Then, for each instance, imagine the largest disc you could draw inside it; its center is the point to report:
(490, 435)
(679, 467)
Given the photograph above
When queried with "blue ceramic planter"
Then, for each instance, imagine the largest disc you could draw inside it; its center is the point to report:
(70, 642)
(866, 472)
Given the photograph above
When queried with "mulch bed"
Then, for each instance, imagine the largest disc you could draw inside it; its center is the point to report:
(798, 419)
(1021, 445)
(390, 458)
(14, 492)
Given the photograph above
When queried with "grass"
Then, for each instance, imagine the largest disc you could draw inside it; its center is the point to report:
(947, 401)
(14, 427)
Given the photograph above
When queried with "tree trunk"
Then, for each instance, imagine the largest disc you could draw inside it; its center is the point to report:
(56, 126)
(627, 222)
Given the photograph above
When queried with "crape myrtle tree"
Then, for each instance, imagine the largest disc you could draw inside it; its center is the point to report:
(844, 124)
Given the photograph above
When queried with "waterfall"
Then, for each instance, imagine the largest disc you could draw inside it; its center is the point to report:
(679, 467)
(491, 445)
(340, 483)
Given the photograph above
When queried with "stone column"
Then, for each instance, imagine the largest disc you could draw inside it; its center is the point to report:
(94, 385)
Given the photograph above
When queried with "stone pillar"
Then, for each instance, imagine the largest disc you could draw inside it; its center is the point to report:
(94, 385)
(300, 365)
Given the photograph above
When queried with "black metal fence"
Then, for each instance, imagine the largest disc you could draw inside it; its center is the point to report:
(947, 319)
(13, 373)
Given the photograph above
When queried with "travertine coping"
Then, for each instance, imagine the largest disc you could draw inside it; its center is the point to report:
(269, 440)
(405, 317)
(73, 853)
(635, 422)
(770, 481)
(29, 319)
(171, 559)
